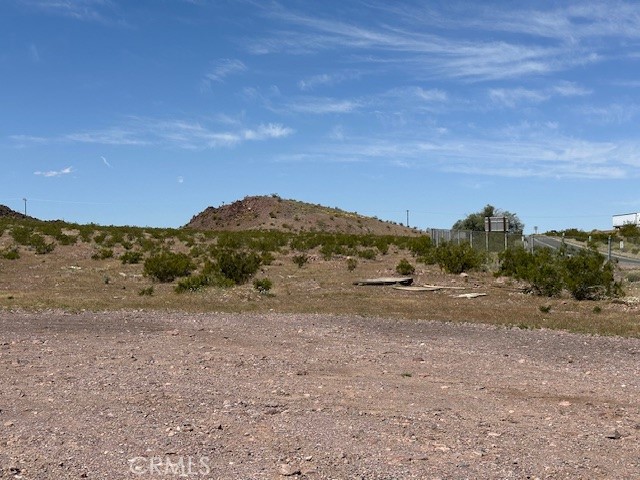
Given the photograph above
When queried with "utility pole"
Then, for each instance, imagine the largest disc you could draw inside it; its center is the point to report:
(407, 218)
(25, 206)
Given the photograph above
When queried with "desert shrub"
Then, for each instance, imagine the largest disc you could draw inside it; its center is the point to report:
(629, 231)
(40, 245)
(300, 260)
(64, 239)
(367, 253)
(131, 257)
(540, 269)
(147, 244)
(167, 266)
(100, 238)
(22, 234)
(633, 277)
(193, 283)
(352, 263)
(148, 291)
(238, 266)
(454, 258)
(585, 275)
(263, 285)
(383, 246)
(421, 246)
(266, 258)
(588, 276)
(102, 254)
(405, 268)
(11, 254)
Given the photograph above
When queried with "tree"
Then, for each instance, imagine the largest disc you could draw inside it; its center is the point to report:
(475, 221)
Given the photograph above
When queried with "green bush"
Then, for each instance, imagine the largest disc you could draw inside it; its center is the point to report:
(102, 254)
(193, 283)
(352, 263)
(633, 277)
(629, 231)
(22, 234)
(11, 254)
(588, 276)
(167, 266)
(585, 275)
(146, 292)
(456, 259)
(405, 268)
(263, 285)
(64, 239)
(367, 254)
(238, 266)
(300, 260)
(131, 257)
(540, 269)
(40, 245)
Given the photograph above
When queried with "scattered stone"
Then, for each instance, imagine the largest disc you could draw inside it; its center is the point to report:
(289, 470)
(615, 435)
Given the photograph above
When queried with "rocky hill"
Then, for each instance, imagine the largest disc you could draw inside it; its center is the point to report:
(7, 212)
(275, 213)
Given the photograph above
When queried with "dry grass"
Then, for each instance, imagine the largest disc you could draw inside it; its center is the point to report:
(69, 279)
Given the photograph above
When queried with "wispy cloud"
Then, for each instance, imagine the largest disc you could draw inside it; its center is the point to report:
(83, 10)
(321, 106)
(536, 155)
(54, 173)
(325, 79)
(513, 96)
(224, 68)
(175, 133)
(532, 42)
(104, 160)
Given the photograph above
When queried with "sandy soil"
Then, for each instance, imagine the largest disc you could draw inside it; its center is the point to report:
(147, 395)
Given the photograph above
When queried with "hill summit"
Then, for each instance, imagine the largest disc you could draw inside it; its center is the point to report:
(7, 212)
(275, 213)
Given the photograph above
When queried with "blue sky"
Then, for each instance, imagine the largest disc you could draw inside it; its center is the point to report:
(147, 112)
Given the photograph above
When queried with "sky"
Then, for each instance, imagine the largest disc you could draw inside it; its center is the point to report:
(145, 113)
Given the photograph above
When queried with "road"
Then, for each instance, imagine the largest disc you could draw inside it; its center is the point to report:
(555, 243)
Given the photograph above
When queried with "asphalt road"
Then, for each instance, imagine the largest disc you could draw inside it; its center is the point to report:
(555, 243)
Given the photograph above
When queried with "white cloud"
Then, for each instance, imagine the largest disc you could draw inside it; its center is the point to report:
(264, 132)
(320, 106)
(104, 160)
(176, 133)
(416, 40)
(224, 68)
(180, 179)
(325, 79)
(511, 97)
(55, 173)
(84, 10)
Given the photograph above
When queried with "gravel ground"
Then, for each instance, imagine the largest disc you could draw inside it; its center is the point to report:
(173, 395)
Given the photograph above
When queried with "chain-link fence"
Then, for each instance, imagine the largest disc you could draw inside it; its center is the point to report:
(485, 241)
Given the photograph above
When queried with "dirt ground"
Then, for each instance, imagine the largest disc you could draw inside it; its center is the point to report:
(133, 394)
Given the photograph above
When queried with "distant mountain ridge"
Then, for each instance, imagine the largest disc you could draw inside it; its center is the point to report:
(275, 213)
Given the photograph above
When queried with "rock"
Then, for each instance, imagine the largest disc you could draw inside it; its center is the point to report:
(615, 435)
(289, 470)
